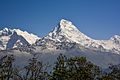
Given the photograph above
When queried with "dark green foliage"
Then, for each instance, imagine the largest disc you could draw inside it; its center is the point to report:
(6, 67)
(75, 68)
(107, 77)
(81, 69)
(60, 72)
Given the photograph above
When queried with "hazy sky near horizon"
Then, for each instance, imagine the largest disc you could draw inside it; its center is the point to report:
(99, 19)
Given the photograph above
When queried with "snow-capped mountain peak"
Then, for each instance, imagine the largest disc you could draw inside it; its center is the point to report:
(9, 38)
(67, 30)
(65, 24)
(116, 39)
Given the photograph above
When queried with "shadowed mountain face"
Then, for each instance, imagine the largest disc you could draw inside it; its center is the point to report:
(16, 39)
(0, 42)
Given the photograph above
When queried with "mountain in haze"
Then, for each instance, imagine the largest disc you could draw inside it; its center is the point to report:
(12, 38)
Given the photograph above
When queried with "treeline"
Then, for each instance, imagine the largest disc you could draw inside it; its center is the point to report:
(74, 68)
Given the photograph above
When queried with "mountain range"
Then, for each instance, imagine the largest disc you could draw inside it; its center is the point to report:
(64, 32)
(64, 38)
(11, 38)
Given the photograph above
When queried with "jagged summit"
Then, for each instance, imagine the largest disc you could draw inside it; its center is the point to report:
(65, 23)
(67, 30)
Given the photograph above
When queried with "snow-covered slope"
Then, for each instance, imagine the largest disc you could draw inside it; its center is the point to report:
(67, 32)
(11, 38)
(31, 38)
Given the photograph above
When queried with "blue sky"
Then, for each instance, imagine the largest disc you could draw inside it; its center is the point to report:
(99, 19)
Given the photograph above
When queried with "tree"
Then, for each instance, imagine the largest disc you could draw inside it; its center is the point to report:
(59, 71)
(75, 68)
(107, 77)
(81, 69)
(114, 73)
(35, 70)
(6, 67)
